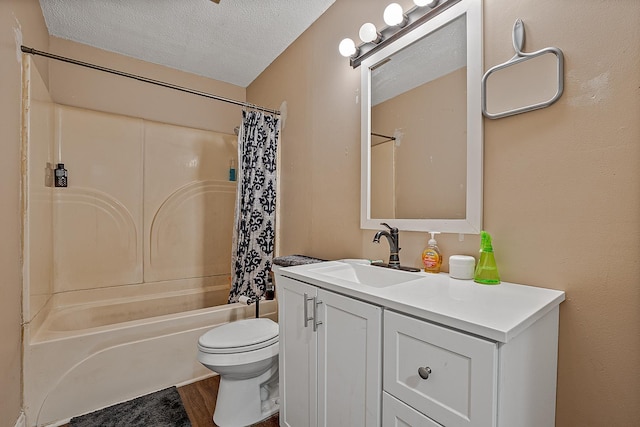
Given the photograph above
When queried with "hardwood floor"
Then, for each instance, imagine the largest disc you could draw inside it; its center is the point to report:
(199, 400)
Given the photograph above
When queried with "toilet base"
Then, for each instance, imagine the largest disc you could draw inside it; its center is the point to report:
(241, 403)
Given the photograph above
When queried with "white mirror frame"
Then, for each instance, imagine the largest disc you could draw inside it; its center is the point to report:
(472, 224)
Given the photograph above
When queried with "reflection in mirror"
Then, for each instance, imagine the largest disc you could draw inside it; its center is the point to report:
(430, 137)
(422, 127)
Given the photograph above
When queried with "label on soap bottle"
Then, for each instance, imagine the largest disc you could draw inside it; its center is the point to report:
(431, 260)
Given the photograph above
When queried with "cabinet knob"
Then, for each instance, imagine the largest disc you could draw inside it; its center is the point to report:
(424, 372)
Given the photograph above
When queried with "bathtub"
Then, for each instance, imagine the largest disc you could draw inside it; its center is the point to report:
(83, 354)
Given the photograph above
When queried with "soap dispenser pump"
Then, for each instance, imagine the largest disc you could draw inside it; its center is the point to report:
(486, 271)
(431, 256)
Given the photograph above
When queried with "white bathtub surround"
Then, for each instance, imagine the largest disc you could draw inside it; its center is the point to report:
(123, 220)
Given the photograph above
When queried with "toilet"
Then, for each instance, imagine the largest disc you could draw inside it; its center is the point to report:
(245, 355)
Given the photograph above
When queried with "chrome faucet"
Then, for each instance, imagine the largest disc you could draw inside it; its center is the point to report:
(392, 237)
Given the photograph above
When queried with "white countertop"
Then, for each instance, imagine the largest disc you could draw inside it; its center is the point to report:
(497, 312)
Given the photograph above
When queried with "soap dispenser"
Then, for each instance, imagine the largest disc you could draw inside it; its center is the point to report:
(486, 271)
(431, 256)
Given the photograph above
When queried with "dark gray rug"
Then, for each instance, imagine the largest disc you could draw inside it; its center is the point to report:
(160, 409)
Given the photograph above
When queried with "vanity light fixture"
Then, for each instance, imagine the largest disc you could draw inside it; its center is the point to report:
(369, 34)
(398, 23)
(347, 48)
(395, 16)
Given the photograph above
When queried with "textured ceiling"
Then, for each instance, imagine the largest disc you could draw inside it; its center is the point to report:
(233, 41)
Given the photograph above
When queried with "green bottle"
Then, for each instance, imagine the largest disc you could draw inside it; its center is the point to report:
(486, 271)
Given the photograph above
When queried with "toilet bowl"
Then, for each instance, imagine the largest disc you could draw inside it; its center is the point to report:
(245, 355)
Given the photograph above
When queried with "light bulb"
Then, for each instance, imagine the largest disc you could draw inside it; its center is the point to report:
(347, 48)
(393, 15)
(368, 33)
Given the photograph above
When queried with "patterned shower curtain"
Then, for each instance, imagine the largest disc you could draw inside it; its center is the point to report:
(254, 225)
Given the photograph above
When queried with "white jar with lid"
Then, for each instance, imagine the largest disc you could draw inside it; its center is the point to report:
(461, 267)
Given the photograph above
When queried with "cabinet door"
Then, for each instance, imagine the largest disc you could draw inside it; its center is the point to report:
(349, 362)
(298, 349)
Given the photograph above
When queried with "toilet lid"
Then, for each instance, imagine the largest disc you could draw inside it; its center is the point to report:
(239, 336)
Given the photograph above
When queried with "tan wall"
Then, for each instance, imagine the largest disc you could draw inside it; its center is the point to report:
(96, 90)
(561, 185)
(320, 144)
(19, 19)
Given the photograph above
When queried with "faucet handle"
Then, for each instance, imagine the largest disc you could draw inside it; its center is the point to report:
(392, 229)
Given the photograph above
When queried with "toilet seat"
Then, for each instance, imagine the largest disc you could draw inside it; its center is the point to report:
(239, 337)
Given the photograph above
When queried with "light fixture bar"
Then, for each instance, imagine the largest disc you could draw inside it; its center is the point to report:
(392, 33)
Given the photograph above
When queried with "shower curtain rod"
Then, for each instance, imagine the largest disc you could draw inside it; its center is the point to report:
(32, 51)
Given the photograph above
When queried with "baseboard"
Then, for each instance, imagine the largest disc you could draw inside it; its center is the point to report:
(22, 420)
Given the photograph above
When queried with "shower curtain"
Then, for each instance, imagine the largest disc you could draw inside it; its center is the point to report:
(254, 225)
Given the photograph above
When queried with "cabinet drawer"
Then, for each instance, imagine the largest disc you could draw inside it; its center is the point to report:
(397, 414)
(462, 371)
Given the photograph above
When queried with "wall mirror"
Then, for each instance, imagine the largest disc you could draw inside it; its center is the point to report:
(422, 126)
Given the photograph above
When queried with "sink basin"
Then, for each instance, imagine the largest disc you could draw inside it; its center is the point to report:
(368, 275)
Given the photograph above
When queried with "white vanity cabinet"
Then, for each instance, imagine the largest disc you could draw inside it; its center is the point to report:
(458, 379)
(454, 353)
(330, 358)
